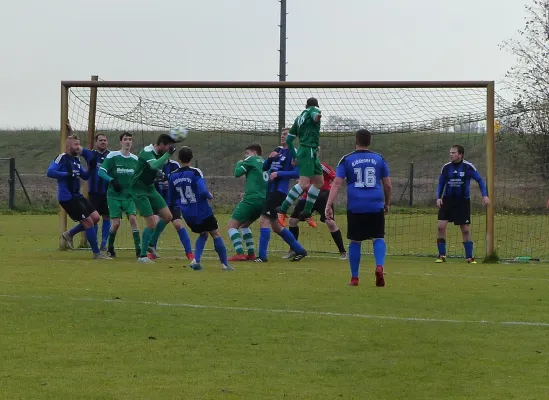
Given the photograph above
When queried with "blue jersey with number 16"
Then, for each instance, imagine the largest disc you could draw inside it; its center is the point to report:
(187, 190)
(363, 170)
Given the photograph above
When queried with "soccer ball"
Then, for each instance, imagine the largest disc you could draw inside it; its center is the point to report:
(179, 134)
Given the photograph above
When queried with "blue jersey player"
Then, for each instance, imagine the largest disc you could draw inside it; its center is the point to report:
(187, 191)
(368, 200)
(97, 187)
(68, 171)
(161, 185)
(454, 200)
(281, 171)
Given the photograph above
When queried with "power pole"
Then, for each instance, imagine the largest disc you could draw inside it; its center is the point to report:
(282, 67)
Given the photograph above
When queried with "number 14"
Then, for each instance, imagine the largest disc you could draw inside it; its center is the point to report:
(187, 196)
(366, 177)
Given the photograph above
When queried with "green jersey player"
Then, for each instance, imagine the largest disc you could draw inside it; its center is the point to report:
(307, 129)
(250, 207)
(147, 200)
(118, 169)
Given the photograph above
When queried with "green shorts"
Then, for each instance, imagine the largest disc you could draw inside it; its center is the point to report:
(119, 206)
(248, 210)
(148, 202)
(308, 162)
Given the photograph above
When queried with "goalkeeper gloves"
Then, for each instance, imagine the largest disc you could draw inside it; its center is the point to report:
(171, 149)
(116, 186)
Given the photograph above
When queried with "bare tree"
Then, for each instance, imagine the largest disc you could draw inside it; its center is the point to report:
(529, 81)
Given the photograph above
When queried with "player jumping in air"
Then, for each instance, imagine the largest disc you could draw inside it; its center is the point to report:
(307, 129)
(249, 208)
(97, 188)
(147, 200)
(368, 200)
(187, 191)
(319, 206)
(161, 184)
(280, 171)
(68, 170)
(117, 170)
(454, 202)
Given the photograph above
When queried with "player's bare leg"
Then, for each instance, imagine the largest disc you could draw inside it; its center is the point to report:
(441, 240)
(467, 243)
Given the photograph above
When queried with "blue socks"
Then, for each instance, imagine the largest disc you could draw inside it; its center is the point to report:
(379, 251)
(105, 229)
(468, 246)
(441, 244)
(199, 246)
(287, 236)
(77, 229)
(186, 240)
(221, 250)
(91, 235)
(354, 258)
(264, 237)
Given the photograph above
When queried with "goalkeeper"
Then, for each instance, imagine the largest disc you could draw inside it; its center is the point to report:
(147, 200)
(118, 169)
(306, 128)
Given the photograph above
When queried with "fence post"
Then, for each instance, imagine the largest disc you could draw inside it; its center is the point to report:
(11, 201)
(411, 201)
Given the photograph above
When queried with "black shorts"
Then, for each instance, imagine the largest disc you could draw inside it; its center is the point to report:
(207, 225)
(455, 210)
(319, 206)
(99, 202)
(78, 208)
(274, 200)
(365, 226)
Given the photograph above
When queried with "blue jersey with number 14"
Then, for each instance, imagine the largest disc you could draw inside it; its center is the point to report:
(187, 190)
(363, 170)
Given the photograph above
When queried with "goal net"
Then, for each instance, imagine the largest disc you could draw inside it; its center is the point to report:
(413, 126)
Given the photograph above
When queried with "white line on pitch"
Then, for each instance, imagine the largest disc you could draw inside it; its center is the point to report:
(287, 311)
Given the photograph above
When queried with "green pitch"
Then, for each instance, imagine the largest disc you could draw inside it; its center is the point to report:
(74, 328)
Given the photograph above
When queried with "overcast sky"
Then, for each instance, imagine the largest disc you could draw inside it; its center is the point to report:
(44, 42)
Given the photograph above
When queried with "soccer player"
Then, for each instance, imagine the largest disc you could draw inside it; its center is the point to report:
(307, 129)
(147, 200)
(161, 185)
(187, 191)
(118, 169)
(319, 206)
(280, 171)
(68, 170)
(368, 200)
(454, 202)
(249, 208)
(97, 188)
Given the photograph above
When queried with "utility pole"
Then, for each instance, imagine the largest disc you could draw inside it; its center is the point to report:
(282, 67)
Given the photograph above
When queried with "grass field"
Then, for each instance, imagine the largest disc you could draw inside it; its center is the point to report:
(74, 328)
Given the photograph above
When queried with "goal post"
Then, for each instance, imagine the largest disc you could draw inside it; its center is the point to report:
(411, 121)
